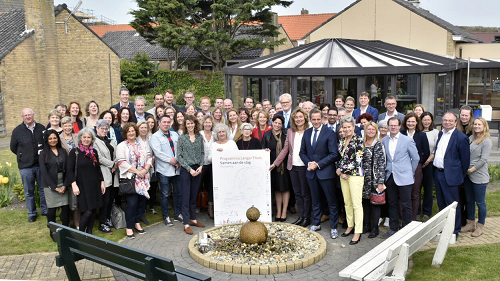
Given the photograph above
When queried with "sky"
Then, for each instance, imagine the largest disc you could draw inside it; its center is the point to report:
(457, 12)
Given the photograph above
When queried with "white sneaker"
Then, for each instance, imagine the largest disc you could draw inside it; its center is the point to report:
(386, 223)
(380, 220)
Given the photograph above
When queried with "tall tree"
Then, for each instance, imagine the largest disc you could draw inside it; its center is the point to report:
(217, 29)
(135, 73)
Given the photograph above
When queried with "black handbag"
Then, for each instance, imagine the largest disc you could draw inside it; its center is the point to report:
(127, 186)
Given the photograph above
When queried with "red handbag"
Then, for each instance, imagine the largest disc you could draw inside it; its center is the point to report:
(377, 198)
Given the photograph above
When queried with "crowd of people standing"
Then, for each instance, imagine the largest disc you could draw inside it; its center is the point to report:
(346, 165)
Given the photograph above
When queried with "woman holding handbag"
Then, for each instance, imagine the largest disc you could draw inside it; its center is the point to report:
(374, 189)
(134, 159)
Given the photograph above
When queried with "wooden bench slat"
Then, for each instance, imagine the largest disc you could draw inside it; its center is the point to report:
(369, 261)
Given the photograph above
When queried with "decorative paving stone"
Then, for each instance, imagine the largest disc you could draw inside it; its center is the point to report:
(288, 247)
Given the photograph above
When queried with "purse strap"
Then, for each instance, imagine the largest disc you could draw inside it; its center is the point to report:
(76, 162)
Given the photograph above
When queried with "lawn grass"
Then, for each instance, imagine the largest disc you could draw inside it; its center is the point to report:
(460, 263)
(492, 203)
(22, 237)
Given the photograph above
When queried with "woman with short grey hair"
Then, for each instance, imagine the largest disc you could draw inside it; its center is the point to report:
(106, 150)
(247, 142)
(348, 119)
(383, 129)
(84, 172)
(222, 142)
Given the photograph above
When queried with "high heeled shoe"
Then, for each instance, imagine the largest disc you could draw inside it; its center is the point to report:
(347, 234)
(355, 242)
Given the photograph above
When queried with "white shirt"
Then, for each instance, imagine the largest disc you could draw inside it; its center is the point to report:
(363, 111)
(297, 141)
(317, 134)
(387, 116)
(441, 149)
(393, 143)
(332, 127)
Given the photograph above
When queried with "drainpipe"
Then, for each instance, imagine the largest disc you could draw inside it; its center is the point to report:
(467, 91)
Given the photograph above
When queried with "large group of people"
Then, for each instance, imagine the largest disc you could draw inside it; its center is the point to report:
(349, 166)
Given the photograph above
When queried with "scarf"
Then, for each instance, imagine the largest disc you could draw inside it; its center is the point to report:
(88, 152)
(107, 142)
(135, 152)
(279, 147)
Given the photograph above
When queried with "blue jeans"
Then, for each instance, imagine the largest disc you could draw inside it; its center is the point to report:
(28, 176)
(165, 192)
(475, 193)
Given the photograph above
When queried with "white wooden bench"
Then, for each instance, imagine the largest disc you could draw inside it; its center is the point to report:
(393, 253)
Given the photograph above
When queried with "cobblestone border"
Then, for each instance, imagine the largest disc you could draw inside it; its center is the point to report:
(232, 267)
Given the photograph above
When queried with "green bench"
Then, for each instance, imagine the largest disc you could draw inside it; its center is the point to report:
(74, 245)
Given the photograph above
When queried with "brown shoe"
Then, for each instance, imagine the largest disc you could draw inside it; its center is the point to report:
(188, 230)
(469, 227)
(197, 223)
(324, 218)
(479, 230)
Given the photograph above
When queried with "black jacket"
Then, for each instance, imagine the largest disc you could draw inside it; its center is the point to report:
(422, 144)
(266, 139)
(26, 144)
(49, 168)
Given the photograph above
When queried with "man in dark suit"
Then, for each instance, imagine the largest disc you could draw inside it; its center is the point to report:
(124, 95)
(189, 99)
(139, 105)
(451, 162)
(390, 104)
(318, 151)
(286, 103)
(364, 100)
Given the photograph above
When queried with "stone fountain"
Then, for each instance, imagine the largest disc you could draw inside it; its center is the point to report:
(257, 248)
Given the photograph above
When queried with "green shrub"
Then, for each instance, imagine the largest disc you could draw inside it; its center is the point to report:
(201, 83)
(494, 171)
(5, 195)
(18, 190)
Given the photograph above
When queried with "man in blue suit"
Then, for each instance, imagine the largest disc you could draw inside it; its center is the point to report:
(390, 104)
(364, 99)
(318, 151)
(402, 161)
(451, 161)
(286, 102)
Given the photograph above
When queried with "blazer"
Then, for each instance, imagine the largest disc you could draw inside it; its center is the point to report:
(479, 154)
(405, 161)
(106, 162)
(286, 151)
(163, 153)
(456, 158)
(49, 169)
(324, 153)
(401, 116)
(289, 125)
(370, 110)
(422, 143)
(130, 104)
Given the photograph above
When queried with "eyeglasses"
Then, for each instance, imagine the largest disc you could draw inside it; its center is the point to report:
(332, 115)
(285, 102)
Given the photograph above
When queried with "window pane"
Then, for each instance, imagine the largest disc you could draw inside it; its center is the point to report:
(406, 92)
(318, 90)
(238, 91)
(279, 85)
(378, 86)
(303, 89)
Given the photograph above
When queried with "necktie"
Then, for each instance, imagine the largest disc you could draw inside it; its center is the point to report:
(286, 120)
(314, 137)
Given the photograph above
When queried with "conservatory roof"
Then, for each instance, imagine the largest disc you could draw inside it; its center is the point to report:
(338, 56)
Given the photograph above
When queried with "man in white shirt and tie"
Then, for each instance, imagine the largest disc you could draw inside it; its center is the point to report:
(286, 103)
(332, 119)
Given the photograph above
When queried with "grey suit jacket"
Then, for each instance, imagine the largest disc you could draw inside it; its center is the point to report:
(405, 161)
(401, 116)
(479, 154)
(106, 162)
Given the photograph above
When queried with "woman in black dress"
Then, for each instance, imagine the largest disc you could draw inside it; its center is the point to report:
(52, 161)
(247, 142)
(84, 174)
(274, 141)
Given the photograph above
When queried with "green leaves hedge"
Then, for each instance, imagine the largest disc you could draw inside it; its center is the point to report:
(201, 83)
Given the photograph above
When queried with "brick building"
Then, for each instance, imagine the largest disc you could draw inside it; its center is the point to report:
(49, 57)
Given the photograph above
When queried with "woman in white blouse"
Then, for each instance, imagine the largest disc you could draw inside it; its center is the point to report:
(207, 125)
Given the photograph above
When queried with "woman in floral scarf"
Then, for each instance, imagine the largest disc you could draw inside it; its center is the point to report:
(351, 174)
(134, 159)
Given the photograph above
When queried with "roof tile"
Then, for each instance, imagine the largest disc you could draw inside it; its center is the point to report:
(296, 26)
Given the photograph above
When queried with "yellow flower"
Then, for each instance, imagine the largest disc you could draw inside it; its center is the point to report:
(1, 178)
(10, 164)
(1, 166)
(5, 180)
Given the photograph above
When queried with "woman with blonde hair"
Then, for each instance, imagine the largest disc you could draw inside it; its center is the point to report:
(261, 125)
(419, 109)
(54, 121)
(218, 116)
(477, 178)
(349, 104)
(234, 123)
(374, 165)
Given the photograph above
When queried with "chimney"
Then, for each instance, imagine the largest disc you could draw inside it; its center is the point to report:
(415, 3)
(39, 15)
(304, 12)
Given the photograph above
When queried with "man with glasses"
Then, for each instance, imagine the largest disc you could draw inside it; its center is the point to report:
(286, 104)
(390, 104)
(332, 119)
(451, 162)
(402, 161)
(189, 99)
(267, 105)
(26, 142)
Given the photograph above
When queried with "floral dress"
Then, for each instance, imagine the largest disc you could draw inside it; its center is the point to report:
(351, 158)
(374, 154)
